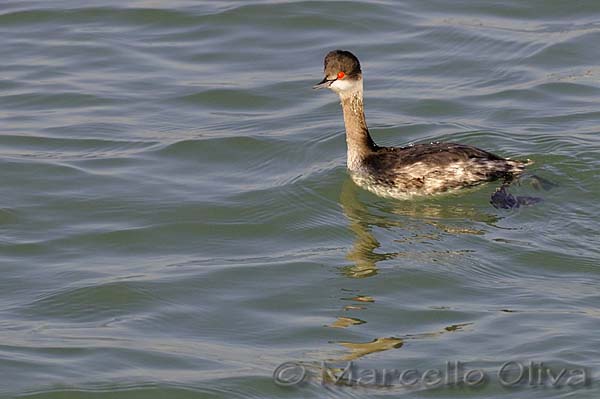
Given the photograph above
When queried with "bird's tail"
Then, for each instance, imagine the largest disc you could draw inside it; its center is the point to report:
(517, 167)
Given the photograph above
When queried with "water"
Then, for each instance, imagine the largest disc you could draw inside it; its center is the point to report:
(176, 219)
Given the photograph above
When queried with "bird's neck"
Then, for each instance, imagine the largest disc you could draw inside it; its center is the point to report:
(359, 141)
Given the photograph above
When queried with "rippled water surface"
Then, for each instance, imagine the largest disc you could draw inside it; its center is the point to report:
(176, 219)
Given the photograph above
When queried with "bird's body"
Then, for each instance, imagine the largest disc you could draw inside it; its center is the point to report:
(405, 172)
(428, 169)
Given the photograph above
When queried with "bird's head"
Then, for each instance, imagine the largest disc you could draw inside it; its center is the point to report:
(342, 72)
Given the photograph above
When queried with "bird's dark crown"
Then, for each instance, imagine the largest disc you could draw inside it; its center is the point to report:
(342, 61)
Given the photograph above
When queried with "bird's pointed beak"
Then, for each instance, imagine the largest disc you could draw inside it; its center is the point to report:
(324, 83)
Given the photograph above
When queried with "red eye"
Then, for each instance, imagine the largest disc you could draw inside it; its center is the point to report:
(341, 75)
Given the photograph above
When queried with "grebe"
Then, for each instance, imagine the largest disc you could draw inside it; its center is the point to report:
(416, 170)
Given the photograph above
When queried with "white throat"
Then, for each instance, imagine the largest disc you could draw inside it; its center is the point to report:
(347, 87)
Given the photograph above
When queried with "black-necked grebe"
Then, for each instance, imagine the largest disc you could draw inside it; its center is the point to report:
(405, 172)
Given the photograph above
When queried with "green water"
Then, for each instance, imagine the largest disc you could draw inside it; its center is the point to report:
(176, 219)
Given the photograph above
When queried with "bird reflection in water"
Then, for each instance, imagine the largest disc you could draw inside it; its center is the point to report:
(418, 224)
(414, 222)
